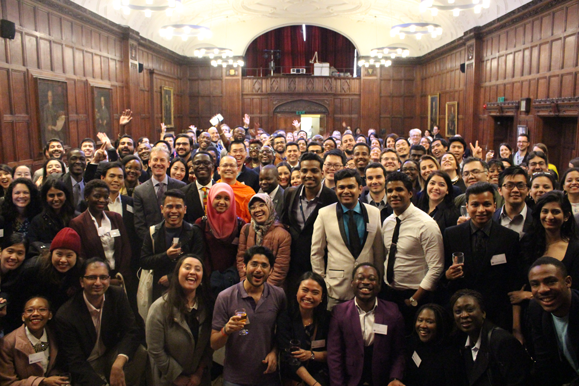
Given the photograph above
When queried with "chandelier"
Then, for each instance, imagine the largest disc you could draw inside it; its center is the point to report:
(476, 5)
(185, 31)
(416, 29)
(213, 52)
(125, 6)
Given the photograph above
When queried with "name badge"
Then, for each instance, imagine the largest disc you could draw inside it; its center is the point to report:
(175, 240)
(235, 241)
(499, 259)
(35, 358)
(319, 343)
(129, 209)
(380, 329)
(416, 359)
(1, 232)
(371, 227)
(115, 233)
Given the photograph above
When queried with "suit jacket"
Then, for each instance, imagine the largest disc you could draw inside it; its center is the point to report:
(502, 359)
(346, 345)
(446, 215)
(136, 242)
(552, 368)
(277, 200)
(341, 261)
(154, 252)
(384, 212)
(67, 179)
(14, 352)
(492, 281)
(91, 244)
(526, 225)
(194, 205)
(302, 238)
(249, 177)
(147, 212)
(76, 334)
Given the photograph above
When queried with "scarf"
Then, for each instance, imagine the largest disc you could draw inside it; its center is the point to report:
(261, 229)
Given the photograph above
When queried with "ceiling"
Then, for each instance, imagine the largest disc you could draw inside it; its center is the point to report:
(235, 23)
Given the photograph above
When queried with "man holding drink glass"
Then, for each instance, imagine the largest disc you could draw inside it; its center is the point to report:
(244, 321)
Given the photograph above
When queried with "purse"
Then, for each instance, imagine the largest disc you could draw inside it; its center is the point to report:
(145, 289)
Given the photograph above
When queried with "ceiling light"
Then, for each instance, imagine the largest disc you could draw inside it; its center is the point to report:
(454, 5)
(455, 12)
(186, 30)
(416, 29)
(148, 13)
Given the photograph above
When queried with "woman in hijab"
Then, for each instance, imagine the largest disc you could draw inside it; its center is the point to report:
(221, 228)
(267, 231)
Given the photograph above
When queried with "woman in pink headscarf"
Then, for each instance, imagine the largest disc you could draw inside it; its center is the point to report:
(221, 228)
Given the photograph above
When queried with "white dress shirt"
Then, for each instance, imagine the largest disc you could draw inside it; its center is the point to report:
(474, 349)
(43, 339)
(420, 250)
(200, 192)
(517, 222)
(116, 205)
(367, 323)
(107, 240)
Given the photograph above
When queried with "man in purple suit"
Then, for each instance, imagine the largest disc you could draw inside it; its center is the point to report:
(366, 338)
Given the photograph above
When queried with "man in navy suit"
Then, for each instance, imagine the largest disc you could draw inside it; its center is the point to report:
(197, 192)
(74, 178)
(269, 184)
(554, 319)
(366, 338)
(148, 196)
(514, 188)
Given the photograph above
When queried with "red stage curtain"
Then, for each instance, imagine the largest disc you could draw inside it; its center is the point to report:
(331, 46)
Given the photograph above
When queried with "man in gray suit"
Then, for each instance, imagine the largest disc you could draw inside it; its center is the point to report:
(148, 197)
(268, 183)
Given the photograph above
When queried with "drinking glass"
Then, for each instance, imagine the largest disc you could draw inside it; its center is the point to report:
(242, 315)
(463, 211)
(294, 345)
(458, 258)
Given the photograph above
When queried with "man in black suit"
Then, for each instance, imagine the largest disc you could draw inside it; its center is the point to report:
(98, 339)
(491, 256)
(301, 206)
(375, 191)
(246, 175)
(554, 319)
(268, 183)
(74, 178)
(514, 188)
(167, 241)
(196, 193)
(148, 196)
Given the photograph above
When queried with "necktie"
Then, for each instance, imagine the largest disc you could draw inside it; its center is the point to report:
(355, 244)
(392, 253)
(76, 194)
(204, 190)
(160, 192)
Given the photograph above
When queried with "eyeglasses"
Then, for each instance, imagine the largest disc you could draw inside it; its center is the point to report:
(254, 147)
(474, 172)
(533, 164)
(95, 277)
(518, 185)
(42, 310)
(333, 166)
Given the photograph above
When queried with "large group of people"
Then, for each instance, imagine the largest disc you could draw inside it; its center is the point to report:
(289, 258)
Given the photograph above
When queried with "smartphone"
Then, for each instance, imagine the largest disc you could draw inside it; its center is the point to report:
(216, 119)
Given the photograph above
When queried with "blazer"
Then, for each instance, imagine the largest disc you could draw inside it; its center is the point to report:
(526, 225)
(492, 281)
(338, 269)
(346, 345)
(302, 238)
(551, 366)
(91, 244)
(384, 212)
(446, 215)
(76, 334)
(14, 353)
(154, 252)
(249, 177)
(278, 201)
(500, 361)
(147, 212)
(194, 205)
(172, 347)
(136, 242)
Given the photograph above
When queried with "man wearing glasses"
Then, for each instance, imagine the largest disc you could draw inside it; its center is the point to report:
(523, 146)
(515, 214)
(334, 161)
(474, 170)
(97, 333)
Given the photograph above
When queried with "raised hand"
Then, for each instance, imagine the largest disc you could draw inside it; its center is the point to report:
(126, 117)
(246, 120)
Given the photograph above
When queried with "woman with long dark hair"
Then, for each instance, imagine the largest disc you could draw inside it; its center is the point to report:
(56, 214)
(51, 166)
(21, 204)
(437, 200)
(12, 254)
(6, 175)
(302, 332)
(178, 327)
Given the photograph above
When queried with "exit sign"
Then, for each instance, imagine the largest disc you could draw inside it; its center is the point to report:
(300, 112)
(501, 99)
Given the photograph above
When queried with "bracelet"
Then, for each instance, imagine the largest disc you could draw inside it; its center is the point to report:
(317, 383)
(223, 332)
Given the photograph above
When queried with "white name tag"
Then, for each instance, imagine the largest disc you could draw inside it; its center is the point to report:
(370, 227)
(499, 259)
(115, 233)
(35, 358)
(175, 240)
(380, 329)
(416, 359)
(129, 209)
(1, 232)
(335, 274)
(319, 343)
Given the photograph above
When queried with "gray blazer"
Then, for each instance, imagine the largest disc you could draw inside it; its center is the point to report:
(171, 345)
(147, 212)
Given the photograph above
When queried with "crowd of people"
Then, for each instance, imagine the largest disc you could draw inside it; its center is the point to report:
(289, 258)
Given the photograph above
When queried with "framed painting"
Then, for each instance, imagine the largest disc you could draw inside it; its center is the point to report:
(167, 106)
(53, 109)
(102, 98)
(451, 118)
(432, 111)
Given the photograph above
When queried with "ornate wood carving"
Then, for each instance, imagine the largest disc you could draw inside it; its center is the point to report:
(257, 85)
(328, 85)
(503, 108)
(470, 52)
(557, 106)
(310, 85)
(318, 106)
(291, 85)
(133, 51)
(273, 85)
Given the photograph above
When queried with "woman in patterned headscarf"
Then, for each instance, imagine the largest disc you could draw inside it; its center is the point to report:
(267, 231)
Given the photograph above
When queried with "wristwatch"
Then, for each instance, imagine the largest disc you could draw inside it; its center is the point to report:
(413, 302)
(313, 357)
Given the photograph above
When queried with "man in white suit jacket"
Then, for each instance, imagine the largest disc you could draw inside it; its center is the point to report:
(346, 245)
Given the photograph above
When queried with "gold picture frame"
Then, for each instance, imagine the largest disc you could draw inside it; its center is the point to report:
(167, 105)
(451, 118)
(433, 102)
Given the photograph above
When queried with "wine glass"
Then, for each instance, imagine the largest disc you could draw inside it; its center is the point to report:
(242, 315)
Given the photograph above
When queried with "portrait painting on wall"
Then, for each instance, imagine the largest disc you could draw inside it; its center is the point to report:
(432, 111)
(167, 106)
(102, 110)
(53, 109)
(451, 118)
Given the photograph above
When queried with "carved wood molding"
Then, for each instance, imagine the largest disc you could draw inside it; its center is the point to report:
(503, 108)
(557, 106)
(314, 106)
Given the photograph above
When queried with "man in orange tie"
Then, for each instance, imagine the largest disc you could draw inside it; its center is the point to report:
(197, 192)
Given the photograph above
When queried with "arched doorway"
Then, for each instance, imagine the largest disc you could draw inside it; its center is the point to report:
(311, 114)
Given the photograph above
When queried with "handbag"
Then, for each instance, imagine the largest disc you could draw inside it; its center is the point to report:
(145, 289)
